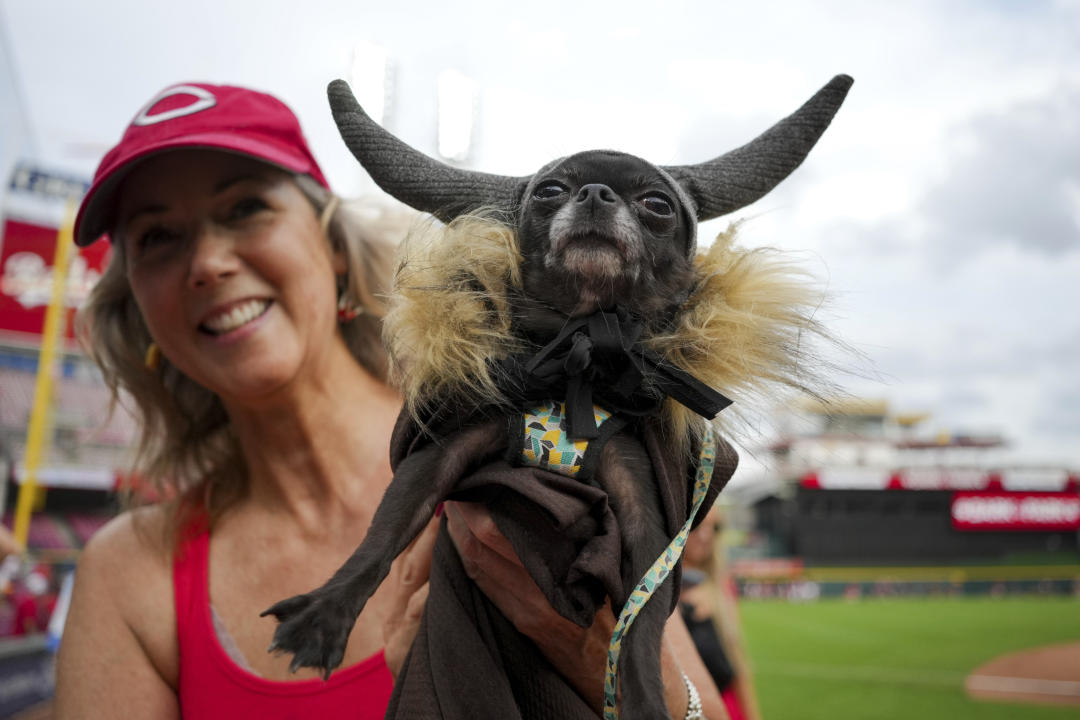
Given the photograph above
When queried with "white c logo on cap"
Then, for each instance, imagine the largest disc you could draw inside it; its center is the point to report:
(205, 100)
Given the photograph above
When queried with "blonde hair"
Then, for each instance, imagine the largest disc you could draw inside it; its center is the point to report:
(186, 449)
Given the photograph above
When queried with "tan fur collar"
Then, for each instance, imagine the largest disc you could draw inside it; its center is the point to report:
(742, 331)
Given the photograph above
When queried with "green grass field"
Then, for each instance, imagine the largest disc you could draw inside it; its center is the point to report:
(897, 659)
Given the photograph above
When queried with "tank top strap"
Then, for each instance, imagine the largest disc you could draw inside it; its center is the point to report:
(190, 577)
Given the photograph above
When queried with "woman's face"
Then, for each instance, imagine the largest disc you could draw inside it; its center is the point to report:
(230, 270)
(699, 543)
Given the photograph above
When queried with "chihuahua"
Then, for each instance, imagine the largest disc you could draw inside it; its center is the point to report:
(607, 243)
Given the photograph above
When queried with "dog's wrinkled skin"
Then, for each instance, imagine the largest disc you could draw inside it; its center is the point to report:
(599, 229)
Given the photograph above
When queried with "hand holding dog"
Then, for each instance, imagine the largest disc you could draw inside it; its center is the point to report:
(409, 578)
(578, 654)
(489, 559)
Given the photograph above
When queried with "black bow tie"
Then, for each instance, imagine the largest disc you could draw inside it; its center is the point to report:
(599, 357)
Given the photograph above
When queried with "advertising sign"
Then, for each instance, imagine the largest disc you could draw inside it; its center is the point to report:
(32, 213)
(1046, 511)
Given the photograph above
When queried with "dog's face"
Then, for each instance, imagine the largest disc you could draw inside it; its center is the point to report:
(601, 229)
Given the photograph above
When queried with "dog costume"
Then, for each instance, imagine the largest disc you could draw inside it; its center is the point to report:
(560, 391)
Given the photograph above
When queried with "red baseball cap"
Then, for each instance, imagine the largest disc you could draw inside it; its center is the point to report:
(196, 115)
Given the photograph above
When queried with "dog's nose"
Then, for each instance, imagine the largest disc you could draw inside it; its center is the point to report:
(596, 192)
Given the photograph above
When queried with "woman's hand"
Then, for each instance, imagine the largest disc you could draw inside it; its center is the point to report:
(409, 580)
(8, 546)
(578, 654)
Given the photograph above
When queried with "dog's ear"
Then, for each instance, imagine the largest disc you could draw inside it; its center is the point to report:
(738, 178)
(411, 176)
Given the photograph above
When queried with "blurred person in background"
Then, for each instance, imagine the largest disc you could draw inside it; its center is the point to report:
(708, 606)
(240, 313)
(10, 563)
(35, 599)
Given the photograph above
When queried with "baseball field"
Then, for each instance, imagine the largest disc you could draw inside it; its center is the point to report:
(878, 659)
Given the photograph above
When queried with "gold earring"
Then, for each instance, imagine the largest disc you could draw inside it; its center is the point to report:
(153, 357)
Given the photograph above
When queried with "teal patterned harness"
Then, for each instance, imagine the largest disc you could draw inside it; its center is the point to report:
(548, 445)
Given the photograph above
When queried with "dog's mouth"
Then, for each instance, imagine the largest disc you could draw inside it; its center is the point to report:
(597, 266)
(589, 241)
(590, 264)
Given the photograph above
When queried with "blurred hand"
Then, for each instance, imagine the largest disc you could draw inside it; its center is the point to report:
(8, 546)
(409, 582)
(579, 654)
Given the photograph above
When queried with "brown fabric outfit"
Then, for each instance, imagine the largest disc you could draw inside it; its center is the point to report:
(468, 661)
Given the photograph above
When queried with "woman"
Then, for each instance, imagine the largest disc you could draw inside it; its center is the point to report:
(240, 313)
(707, 603)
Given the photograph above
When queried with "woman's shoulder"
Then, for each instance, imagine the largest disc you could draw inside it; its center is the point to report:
(135, 540)
(123, 594)
(129, 561)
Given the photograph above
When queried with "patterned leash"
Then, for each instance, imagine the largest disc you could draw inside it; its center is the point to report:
(655, 575)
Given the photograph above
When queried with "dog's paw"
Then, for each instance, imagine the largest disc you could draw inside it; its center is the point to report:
(314, 627)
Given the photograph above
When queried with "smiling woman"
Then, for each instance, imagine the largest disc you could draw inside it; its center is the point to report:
(240, 314)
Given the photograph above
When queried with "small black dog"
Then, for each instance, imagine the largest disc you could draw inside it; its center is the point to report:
(607, 243)
(600, 230)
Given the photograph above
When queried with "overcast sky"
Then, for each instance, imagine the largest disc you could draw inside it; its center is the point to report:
(942, 207)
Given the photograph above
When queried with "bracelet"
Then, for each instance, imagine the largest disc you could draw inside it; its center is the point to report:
(693, 702)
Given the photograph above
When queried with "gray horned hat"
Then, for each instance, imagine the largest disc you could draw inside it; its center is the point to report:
(714, 188)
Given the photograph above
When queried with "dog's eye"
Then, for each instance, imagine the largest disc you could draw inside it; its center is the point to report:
(549, 190)
(657, 204)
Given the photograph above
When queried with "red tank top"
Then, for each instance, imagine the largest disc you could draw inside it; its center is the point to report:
(213, 687)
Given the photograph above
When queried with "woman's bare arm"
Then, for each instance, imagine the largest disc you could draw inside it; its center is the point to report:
(677, 639)
(118, 654)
